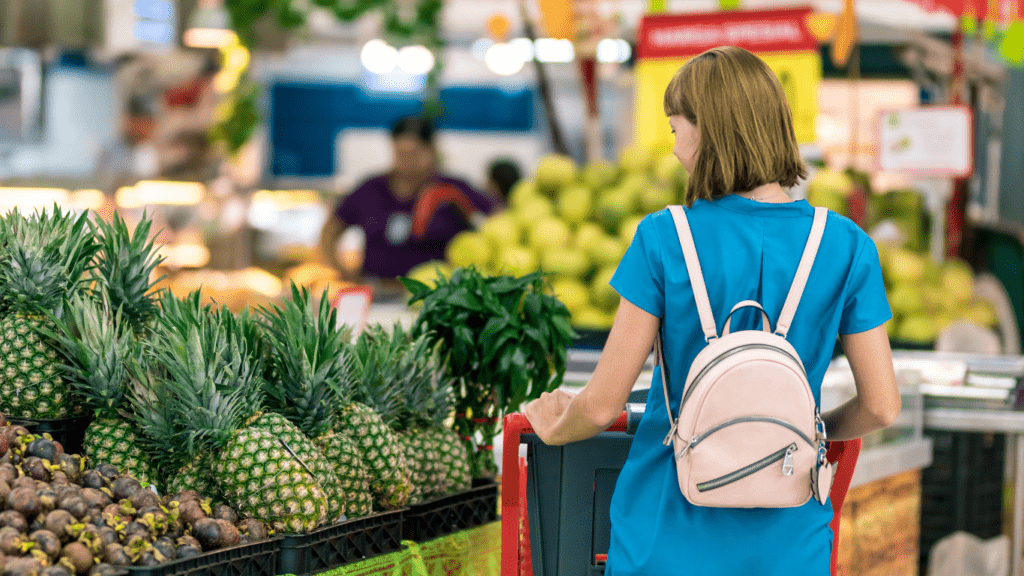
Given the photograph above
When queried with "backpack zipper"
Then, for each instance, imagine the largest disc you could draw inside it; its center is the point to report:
(693, 385)
(786, 455)
(745, 419)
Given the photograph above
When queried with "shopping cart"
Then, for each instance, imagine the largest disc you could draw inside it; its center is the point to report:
(556, 523)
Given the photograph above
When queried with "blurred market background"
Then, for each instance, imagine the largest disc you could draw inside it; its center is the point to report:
(239, 127)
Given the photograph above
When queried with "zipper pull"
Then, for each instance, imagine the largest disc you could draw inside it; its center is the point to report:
(693, 442)
(787, 462)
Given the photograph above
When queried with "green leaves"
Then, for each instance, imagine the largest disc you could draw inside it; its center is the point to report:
(505, 333)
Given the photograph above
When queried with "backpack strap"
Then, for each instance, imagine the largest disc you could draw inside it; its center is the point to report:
(803, 271)
(700, 291)
(659, 360)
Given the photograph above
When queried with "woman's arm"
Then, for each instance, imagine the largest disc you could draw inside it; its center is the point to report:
(559, 418)
(878, 402)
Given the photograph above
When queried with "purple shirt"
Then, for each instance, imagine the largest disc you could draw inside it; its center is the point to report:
(390, 248)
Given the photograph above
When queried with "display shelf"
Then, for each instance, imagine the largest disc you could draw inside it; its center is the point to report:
(341, 544)
(452, 513)
(257, 559)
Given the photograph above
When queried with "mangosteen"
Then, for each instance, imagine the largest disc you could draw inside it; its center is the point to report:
(79, 556)
(94, 498)
(115, 554)
(148, 558)
(11, 541)
(70, 465)
(36, 524)
(56, 570)
(254, 529)
(24, 500)
(175, 528)
(144, 497)
(42, 448)
(191, 512)
(108, 471)
(24, 482)
(186, 495)
(93, 479)
(5, 489)
(46, 541)
(225, 512)
(47, 499)
(165, 546)
(26, 566)
(111, 510)
(107, 535)
(90, 536)
(76, 506)
(14, 519)
(58, 522)
(135, 529)
(4, 444)
(124, 486)
(214, 534)
(59, 479)
(35, 467)
(8, 473)
(104, 570)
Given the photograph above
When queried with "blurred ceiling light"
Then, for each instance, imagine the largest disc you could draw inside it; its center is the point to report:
(87, 199)
(187, 256)
(285, 199)
(209, 26)
(613, 50)
(503, 59)
(378, 56)
(415, 59)
(554, 50)
(524, 47)
(30, 199)
(480, 46)
(149, 192)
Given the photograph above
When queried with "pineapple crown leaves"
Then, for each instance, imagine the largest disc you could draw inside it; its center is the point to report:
(96, 348)
(163, 433)
(309, 367)
(44, 258)
(124, 267)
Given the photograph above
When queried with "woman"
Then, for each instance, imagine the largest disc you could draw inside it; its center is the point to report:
(409, 214)
(734, 135)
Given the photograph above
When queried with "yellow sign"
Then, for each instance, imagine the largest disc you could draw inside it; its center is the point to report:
(798, 72)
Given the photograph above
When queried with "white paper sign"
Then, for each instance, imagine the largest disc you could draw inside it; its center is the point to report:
(927, 141)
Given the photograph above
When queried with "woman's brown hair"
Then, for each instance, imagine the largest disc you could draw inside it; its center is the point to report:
(746, 127)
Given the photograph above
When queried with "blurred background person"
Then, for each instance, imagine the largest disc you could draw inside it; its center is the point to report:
(502, 175)
(407, 215)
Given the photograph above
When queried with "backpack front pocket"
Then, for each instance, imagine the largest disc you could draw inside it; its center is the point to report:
(785, 455)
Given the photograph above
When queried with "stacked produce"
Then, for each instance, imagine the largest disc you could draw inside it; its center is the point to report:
(924, 296)
(60, 518)
(275, 416)
(574, 224)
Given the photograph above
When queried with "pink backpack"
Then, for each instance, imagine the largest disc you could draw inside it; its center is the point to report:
(749, 434)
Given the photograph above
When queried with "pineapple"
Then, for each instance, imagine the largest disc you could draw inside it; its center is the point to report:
(208, 401)
(307, 352)
(98, 347)
(124, 269)
(43, 258)
(366, 411)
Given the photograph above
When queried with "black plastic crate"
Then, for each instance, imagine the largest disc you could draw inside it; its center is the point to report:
(69, 432)
(257, 559)
(340, 544)
(453, 513)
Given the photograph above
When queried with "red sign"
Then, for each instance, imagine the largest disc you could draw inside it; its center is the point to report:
(675, 35)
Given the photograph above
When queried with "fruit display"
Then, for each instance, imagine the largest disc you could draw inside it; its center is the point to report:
(274, 413)
(573, 223)
(61, 517)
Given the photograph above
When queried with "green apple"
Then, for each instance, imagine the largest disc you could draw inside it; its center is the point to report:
(654, 198)
(568, 262)
(502, 230)
(919, 328)
(575, 203)
(533, 210)
(666, 169)
(607, 251)
(468, 249)
(613, 206)
(590, 318)
(957, 279)
(522, 192)
(636, 157)
(517, 261)
(571, 292)
(905, 266)
(428, 272)
(548, 232)
(599, 174)
(602, 295)
(628, 229)
(555, 171)
(586, 235)
(906, 298)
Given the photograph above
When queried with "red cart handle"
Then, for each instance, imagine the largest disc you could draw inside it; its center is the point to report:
(515, 426)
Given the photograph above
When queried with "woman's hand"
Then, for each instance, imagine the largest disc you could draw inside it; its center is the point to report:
(544, 413)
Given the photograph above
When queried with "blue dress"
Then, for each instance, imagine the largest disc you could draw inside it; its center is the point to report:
(747, 250)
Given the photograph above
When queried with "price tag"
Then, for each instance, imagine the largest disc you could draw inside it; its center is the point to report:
(353, 306)
(926, 141)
